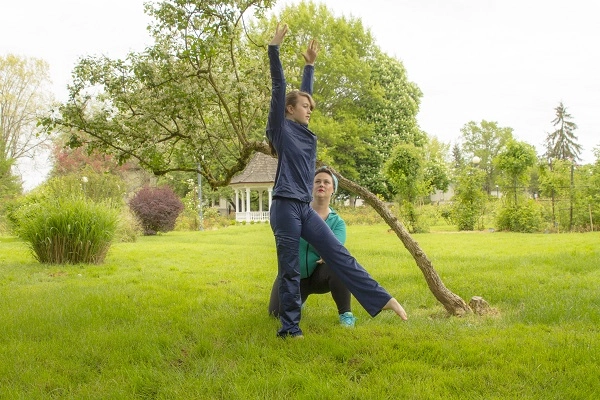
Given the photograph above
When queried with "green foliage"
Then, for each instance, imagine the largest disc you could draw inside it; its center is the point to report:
(570, 194)
(469, 198)
(363, 215)
(157, 208)
(485, 140)
(514, 161)
(405, 170)
(411, 217)
(10, 188)
(525, 217)
(199, 90)
(593, 189)
(554, 178)
(203, 89)
(211, 219)
(436, 175)
(67, 230)
(513, 164)
(10, 184)
(128, 227)
(97, 187)
(72, 218)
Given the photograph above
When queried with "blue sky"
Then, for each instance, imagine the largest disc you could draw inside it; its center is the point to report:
(509, 61)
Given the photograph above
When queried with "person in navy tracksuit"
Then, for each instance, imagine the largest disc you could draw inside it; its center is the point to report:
(291, 215)
(315, 276)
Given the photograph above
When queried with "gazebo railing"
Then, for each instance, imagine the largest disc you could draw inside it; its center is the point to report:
(249, 216)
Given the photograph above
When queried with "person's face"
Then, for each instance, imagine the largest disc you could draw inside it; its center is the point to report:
(323, 186)
(301, 111)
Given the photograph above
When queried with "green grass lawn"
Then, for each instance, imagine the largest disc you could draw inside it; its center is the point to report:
(184, 316)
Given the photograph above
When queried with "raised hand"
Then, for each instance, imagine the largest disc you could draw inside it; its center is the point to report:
(310, 55)
(280, 33)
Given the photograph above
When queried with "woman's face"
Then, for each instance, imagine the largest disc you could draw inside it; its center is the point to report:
(323, 186)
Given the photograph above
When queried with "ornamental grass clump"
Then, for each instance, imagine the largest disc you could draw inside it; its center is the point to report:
(68, 230)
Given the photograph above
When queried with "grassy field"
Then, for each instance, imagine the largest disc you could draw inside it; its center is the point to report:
(184, 316)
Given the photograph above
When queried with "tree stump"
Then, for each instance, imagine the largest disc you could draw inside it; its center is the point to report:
(479, 305)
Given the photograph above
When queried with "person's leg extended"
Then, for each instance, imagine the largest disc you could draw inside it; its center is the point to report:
(365, 289)
(286, 225)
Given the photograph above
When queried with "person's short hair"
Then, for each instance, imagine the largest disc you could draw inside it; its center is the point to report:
(291, 99)
(328, 171)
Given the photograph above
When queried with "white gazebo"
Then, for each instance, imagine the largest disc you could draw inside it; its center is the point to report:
(259, 176)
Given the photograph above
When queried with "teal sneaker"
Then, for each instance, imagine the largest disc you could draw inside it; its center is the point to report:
(347, 319)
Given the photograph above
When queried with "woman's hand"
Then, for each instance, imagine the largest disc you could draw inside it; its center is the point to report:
(310, 55)
(280, 33)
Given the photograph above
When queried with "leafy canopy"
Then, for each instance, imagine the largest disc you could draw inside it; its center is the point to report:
(203, 89)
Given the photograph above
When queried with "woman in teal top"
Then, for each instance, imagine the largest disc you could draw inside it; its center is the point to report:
(316, 276)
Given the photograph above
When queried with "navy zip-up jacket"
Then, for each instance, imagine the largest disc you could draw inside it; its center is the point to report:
(295, 144)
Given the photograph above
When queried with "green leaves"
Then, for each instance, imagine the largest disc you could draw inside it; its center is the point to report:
(515, 161)
(485, 140)
(203, 89)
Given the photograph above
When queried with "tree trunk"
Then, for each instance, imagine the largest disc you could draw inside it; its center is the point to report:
(451, 302)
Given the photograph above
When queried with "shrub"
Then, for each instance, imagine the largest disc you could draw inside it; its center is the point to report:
(128, 227)
(361, 215)
(157, 208)
(67, 230)
(211, 219)
(411, 218)
(89, 184)
(466, 215)
(526, 218)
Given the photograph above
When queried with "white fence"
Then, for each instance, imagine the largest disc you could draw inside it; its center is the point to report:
(249, 216)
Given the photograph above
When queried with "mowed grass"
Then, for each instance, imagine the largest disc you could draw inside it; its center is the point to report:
(184, 316)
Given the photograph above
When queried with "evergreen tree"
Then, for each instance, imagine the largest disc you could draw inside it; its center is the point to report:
(562, 143)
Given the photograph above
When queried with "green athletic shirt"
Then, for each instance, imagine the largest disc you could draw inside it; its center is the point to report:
(308, 254)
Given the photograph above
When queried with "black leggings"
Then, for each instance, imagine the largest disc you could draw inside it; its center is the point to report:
(322, 280)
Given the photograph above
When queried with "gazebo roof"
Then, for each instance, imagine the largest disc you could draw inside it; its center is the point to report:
(260, 169)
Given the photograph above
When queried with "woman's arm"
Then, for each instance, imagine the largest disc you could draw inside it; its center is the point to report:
(277, 108)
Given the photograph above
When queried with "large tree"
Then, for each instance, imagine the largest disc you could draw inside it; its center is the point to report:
(417, 172)
(561, 144)
(392, 113)
(485, 140)
(24, 97)
(203, 89)
(513, 164)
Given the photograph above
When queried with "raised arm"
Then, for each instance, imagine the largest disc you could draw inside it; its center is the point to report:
(280, 33)
(277, 108)
(310, 55)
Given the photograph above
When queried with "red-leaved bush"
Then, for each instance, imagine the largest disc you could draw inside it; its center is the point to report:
(157, 208)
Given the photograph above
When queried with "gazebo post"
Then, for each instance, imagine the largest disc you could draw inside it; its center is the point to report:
(248, 204)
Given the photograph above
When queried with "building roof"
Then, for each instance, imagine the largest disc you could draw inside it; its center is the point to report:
(260, 169)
